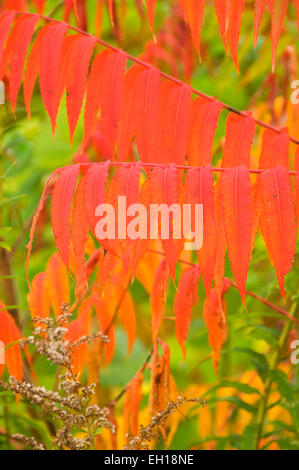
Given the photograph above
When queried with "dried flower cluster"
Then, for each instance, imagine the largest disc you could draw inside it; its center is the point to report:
(150, 433)
(77, 421)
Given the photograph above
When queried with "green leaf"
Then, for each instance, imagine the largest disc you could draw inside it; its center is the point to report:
(283, 384)
(287, 443)
(249, 437)
(259, 361)
(241, 387)
(238, 402)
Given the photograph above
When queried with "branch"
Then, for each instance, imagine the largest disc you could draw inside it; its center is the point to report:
(163, 74)
(251, 294)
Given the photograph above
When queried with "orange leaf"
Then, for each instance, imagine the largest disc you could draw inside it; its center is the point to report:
(51, 47)
(222, 9)
(164, 190)
(79, 227)
(146, 100)
(278, 10)
(185, 299)
(127, 120)
(239, 136)
(62, 198)
(176, 120)
(132, 404)
(220, 241)
(93, 95)
(234, 27)
(58, 283)
(77, 71)
(194, 13)
(204, 119)
(111, 80)
(6, 21)
(199, 190)
(158, 296)
(76, 329)
(35, 222)
(94, 191)
(105, 321)
(275, 150)
(9, 333)
(38, 297)
(17, 46)
(215, 319)
(235, 192)
(33, 66)
(278, 221)
(150, 5)
(259, 8)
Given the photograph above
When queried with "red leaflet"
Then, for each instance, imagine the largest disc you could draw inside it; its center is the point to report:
(66, 51)
(79, 227)
(215, 319)
(235, 192)
(76, 329)
(222, 9)
(18, 43)
(9, 333)
(35, 221)
(126, 313)
(99, 17)
(132, 404)
(146, 98)
(234, 27)
(78, 65)
(6, 21)
(126, 180)
(38, 297)
(185, 299)
(126, 184)
(220, 242)
(259, 8)
(33, 66)
(106, 324)
(199, 190)
(110, 9)
(278, 222)
(194, 13)
(158, 297)
(278, 10)
(204, 119)
(238, 140)
(130, 101)
(162, 384)
(176, 118)
(150, 5)
(58, 283)
(275, 150)
(49, 67)
(136, 249)
(62, 198)
(164, 190)
(111, 93)
(94, 191)
(93, 95)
